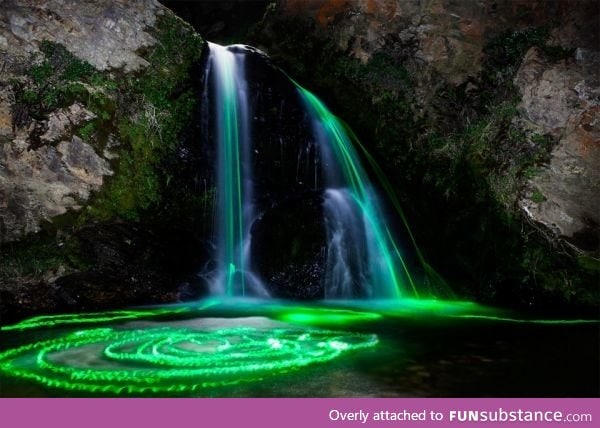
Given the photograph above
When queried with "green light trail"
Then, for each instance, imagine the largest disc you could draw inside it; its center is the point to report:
(393, 280)
(344, 139)
(130, 360)
(63, 320)
(173, 360)
(441, 287)
(527, 321)
(230, 169)
(339, 313)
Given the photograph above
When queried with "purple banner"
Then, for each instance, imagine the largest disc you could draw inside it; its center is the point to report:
(300, 413)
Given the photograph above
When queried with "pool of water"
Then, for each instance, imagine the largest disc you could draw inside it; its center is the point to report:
(245, 348)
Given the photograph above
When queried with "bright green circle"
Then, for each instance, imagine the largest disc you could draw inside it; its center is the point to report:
(173, 360)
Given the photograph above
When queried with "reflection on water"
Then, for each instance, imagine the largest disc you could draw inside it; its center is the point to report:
(246, 348)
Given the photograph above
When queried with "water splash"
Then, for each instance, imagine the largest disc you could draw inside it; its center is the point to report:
(362, 257)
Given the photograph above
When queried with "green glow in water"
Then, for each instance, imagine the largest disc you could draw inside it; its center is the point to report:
(333, 313)
(395, 280)
(181, 360)
(172, 360)
(528, 321)
(51, 321)
(323, 316)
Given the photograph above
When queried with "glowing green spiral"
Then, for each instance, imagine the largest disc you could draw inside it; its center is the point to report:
(172, 360)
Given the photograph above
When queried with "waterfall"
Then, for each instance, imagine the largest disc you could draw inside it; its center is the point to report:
(225, 75)
(362, 257)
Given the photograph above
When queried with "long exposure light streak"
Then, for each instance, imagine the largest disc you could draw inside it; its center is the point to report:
(388, 274)
(172, 360)
(230, 186)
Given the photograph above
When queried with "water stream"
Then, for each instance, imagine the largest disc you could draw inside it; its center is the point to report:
(362, 259)
(225, 71)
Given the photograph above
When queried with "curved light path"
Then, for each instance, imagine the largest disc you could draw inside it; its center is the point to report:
(173, 360)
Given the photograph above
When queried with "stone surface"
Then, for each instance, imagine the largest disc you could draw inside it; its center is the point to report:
(39, 184)
(68, 105)
(105, 33)
(45, 169)
(563, 99)
(60, 123)
(289, 246)
(446, 36)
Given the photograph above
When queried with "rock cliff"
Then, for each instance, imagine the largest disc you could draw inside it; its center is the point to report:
(485, 116)
(96, 99)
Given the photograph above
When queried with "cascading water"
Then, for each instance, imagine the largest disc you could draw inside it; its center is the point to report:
(226, 75)
(362, 257)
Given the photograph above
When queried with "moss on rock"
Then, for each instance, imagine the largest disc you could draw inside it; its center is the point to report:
(140, 119)
(458, 155)
(155, 108)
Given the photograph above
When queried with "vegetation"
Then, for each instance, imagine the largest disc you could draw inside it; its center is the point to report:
(155, 108)
(56, 80)
(148, 113)
(461, 156)
(37, 255)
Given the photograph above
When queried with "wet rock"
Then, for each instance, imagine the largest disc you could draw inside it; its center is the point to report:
(288, 241)
(283, 155)
(288, 236)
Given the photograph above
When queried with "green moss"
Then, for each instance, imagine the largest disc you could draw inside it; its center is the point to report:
(589, 263)
(381, 71)
(505, 52)
(537, 196)
(87, 131)
(161, 102)
(58, 78)
(147, 112)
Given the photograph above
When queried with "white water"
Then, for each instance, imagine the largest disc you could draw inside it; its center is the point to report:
(226, 76)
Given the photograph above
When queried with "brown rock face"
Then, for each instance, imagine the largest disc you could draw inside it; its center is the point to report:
(446, 36)
(442, 44)
(563, 99)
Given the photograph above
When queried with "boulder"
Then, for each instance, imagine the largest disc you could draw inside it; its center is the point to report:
(563, 99)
